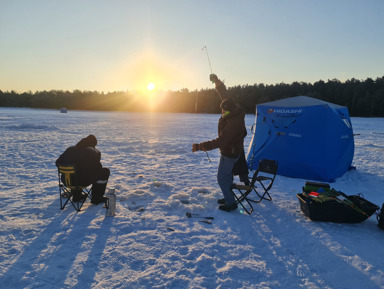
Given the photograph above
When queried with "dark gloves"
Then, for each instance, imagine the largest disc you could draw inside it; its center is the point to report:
(213, 78)
(195, 147)
(198, 147)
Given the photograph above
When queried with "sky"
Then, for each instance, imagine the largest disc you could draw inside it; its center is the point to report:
(123, 45)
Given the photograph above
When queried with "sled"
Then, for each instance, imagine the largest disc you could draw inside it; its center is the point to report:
(321, 203)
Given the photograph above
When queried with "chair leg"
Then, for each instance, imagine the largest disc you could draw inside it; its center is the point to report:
(89, 193)
(62, 206)
(261, 197)
(241, 199)
(245, 209)
(69, 198)
(269, 198)
(79, 204)
(64, 192)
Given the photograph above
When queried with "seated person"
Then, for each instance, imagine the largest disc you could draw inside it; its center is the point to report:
(89, 170)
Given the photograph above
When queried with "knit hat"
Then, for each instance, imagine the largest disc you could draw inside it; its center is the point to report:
(228, 104)
(89, 141)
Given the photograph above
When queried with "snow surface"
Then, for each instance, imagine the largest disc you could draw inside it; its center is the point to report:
(153, 167)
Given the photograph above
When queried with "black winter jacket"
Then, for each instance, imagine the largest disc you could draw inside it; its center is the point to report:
(86, 160)
(231, 130)
(231, 134)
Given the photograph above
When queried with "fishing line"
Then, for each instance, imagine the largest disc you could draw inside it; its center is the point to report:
(197, 98)
(209, 61)
(208, 157)
(210, 67)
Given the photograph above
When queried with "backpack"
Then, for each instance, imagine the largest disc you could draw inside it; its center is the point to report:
(380, 218)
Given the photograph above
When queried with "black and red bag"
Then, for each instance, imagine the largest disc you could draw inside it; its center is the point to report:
(320, 202)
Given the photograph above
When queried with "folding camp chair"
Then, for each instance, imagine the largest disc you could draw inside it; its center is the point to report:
(264, 176)
(68, 186)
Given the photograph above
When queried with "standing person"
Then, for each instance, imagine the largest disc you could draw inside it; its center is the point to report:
(89, 170)
(230, 141)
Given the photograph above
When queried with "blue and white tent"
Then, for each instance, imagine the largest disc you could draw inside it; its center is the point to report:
(310, 138)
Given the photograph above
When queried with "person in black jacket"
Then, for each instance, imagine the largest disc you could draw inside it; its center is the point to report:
(230, 141)
(89, 170)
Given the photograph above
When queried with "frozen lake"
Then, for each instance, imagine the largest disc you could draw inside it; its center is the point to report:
(152, 166)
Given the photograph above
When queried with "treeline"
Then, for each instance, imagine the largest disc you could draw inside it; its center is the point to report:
(363, 98)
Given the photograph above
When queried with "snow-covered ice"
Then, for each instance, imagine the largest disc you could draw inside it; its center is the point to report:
(152, 167)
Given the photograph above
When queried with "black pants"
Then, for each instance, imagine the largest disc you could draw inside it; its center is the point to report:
(100, 183)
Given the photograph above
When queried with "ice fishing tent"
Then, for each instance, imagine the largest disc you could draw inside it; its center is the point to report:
(310, 138)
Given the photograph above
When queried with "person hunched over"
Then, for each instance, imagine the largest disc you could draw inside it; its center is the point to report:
(89, 169)
(230, 141)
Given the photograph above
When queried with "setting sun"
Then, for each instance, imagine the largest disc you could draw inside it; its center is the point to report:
(150, 86)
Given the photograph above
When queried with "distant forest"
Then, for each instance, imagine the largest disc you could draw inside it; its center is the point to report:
(363, 98)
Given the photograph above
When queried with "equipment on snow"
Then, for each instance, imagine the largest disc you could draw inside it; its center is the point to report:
(111, 203)
(206, 221)
(191, 215)
(320, 202)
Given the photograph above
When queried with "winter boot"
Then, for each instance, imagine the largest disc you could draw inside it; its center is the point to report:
(228, 208)
(221, 201)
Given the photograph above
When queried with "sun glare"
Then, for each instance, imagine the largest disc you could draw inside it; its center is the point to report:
(150, 86)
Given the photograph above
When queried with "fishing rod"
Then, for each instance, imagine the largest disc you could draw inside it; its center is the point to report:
(209, 61)
(197, 95)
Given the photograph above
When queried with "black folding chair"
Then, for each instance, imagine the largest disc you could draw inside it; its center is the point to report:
(70, 190)
(264, 176)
